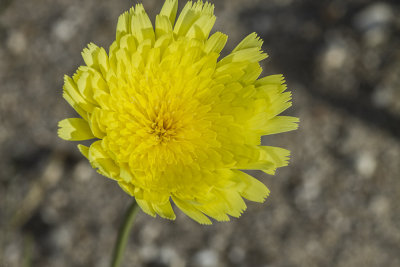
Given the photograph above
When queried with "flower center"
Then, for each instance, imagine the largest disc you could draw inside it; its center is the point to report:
(163, 129)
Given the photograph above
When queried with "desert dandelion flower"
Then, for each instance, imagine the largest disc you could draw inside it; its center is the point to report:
(170, 121)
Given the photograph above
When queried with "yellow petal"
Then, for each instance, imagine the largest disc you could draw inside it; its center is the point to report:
(251, 41)
(96, 124)
(127, 187)
(88, 54)
(234, 201)
(141, 25)
(75, 98)
(215, 207)
(75, 105)
(191, 211)
(191, 14)
(202, 27)
(278, 156)
(96, 57)
(252, 72)
(276, 79)
(215, 43)
(124, 24)
(163, 42)
(126, 174)
(163, 26)
(146, 207)
(250, 188)
(164, 210)
(248, 55)
(82, 79)
(102, 161)
(279, 124)
(84, 150)
(280, 104)
(128, 43)
(186, 16)
(169, 10)
(74, 129)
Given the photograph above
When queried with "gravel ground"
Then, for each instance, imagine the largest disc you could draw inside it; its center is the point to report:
(335, 205)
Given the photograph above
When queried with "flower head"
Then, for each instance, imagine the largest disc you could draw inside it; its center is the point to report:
(173, 122)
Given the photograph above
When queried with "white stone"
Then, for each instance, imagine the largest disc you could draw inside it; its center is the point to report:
(375, 15)
(206, 258)
(366, 164)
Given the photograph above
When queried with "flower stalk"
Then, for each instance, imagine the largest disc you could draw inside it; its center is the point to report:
(123, 234)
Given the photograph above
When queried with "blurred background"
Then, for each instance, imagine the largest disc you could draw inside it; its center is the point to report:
(337, 204)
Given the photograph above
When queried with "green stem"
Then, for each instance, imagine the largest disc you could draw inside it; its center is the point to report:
(123, 234)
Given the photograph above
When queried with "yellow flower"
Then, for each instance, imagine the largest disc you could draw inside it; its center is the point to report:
(171, 121)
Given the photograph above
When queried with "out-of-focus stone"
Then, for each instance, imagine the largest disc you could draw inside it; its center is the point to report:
(373, 21)
(83, 171)
(366, 164)
(16, 42)
(374, 15)
(237, 255)
(206, 258)
(380, 206)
